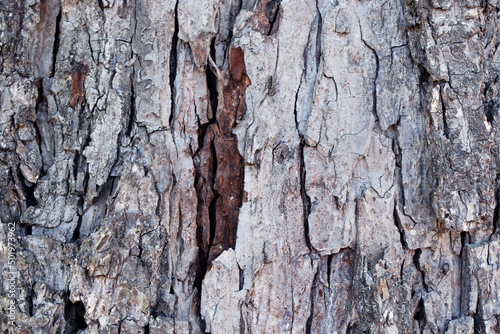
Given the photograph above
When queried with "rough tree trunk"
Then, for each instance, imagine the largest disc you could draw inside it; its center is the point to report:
(232, 166)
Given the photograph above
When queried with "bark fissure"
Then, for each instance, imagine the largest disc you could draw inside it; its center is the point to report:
(101, 5)
(496, 212)
(120, 163)
(132, 115)
(446, 129)
(306, 200)
(76, 232)
(75, 317)
(314, 288)
(318, 38)
(272, 12)
(420, 316)
(479, 324)
(397, 222)
(416, 262)
(173, 64)
(56, 43)
(374, 85)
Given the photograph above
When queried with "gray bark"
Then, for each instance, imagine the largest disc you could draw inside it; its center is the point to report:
(253, 166)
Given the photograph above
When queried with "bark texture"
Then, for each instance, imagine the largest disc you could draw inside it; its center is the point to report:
(250, 166)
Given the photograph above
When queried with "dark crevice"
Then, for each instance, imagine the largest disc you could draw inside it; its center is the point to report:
(490, 110)
(329, 268)
(401, 270)
(74, 314)
(212, 208)
(56, 43)
(416, 262)
(29, 300)
(76, 232)
(351, 327)
(41, 106)
(318, 38)
(424, 81)
(496, 213)
(202, 133)
(296, 99)
(101, 5)
(392, 132)
(416, 257)
(133, 113)
(146, 329)
(374, 90)
(242, 279)
(419, 315)
(173, 63)
(212, 85)
(464, 237)
(104, 191)
(28, 191)
(446, 129)
(479, 325)
(490, 103)
(76, 161)
(25, 229)
(40, 98)
(272, 11)
(399, 225)
(424, 75)
(314, 289)
(306, 200)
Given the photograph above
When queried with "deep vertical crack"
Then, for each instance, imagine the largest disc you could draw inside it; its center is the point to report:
(399, 225)
(314, 288)
(173, 64)
(329, 268)
(74, 314)
(218, 163)
(374, 89)
(212, 85)
(306, 200)
(318, 38)
(56, 43)
(212, 208)
(132, 110)
(272, 11)
(76, 232)
(101, 5)
(479, 324)
(496, 212)
(416, 262)
(446, 129)
(420, 316)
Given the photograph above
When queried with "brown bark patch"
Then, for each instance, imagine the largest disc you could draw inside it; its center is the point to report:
(219, 164)
(204, 162)
(200, 48)
(229, 186)
(234, 89)
(267, 17)
(78, 73)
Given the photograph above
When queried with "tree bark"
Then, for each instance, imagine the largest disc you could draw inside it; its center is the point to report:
(254, 166)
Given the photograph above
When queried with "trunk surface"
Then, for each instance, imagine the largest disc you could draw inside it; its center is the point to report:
(255, 166)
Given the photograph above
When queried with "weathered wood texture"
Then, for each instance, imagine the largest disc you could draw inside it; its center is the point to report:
(254, 166)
